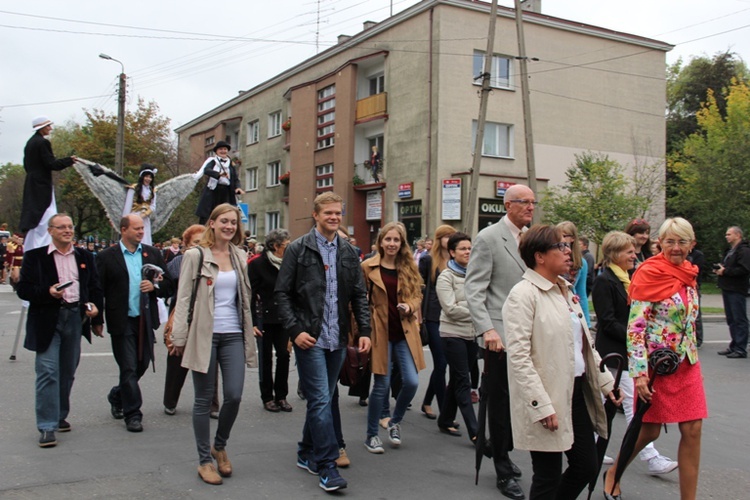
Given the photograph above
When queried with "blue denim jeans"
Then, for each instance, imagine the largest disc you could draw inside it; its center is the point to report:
(55, 371)
(319, 373)
(228, 350)
(410, 382)
(735, 308)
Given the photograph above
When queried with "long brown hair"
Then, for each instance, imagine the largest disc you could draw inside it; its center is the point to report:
(439, 262)
(568, 228)
(408, 275)
(209, 238)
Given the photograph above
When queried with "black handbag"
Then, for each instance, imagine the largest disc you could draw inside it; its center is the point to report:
(665, 361)
(355, 366)
(424, 334)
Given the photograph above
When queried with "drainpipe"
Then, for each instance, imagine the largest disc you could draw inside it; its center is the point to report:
(429, 136)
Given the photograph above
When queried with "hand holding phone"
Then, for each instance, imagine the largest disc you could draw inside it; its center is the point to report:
(63, 286)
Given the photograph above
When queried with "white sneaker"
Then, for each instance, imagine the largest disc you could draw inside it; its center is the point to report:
(661, 465)
(608, 460)
(374, 445)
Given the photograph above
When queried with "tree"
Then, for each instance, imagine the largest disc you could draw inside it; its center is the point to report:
(688, 86)
(597, 197)
(12, 178)
(712, 168)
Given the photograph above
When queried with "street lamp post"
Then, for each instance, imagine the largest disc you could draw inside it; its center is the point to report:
(120, 142)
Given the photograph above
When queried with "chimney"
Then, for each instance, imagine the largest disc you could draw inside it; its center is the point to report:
(344, 38)
(368, 24)
(532, 5)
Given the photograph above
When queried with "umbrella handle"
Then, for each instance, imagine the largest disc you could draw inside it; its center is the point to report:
(620, 363)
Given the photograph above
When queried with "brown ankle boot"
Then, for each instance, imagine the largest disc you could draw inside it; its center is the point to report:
(222, 460)
(208, 473)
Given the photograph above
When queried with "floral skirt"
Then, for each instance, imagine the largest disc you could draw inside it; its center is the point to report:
(678, 397)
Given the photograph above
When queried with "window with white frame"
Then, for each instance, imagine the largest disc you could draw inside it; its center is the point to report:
(377, 84)
(273, 221)
(498, 139)
(251, 179)
(273, 171)
(274, 124)
(324, 177)
(253, 132)
(210, 141)
(252, 224)
(327, 118)
(500, 74)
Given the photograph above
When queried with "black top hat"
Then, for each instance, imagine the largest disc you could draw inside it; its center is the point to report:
(222, 144)
(147, 168)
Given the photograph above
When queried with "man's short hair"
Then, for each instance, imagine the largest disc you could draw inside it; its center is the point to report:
(325, 199)
(737, 229)
(51, 223)
(584, 240)
(125, 222)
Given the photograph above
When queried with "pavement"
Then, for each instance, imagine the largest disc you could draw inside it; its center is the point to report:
(100, 459)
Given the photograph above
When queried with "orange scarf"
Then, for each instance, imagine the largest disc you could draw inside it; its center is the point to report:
(658, 279)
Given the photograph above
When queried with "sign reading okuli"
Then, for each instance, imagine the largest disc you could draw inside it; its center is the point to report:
(451, 199)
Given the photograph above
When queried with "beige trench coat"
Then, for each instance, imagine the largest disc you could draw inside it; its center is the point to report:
(378, 300)
(541, 365)
(197, 339)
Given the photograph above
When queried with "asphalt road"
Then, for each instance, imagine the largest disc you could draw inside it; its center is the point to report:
(100, 459)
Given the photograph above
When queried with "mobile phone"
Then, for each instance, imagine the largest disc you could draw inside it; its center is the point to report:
(89, 307)
(63, 286)
(716, 266)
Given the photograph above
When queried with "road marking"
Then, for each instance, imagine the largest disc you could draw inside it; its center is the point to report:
(95, 354)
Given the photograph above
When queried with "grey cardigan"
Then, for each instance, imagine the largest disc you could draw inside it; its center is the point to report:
(455, 319)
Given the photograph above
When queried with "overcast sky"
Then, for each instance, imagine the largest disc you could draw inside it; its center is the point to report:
(179, 53)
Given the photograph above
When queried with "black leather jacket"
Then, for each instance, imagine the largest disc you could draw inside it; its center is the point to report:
(301, 286)
(736, 269)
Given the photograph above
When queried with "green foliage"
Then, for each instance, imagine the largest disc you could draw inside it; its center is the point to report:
(597, 197)
(12, 177)
(713, 170)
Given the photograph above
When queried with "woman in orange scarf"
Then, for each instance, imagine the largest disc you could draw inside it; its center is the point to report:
(663, 310)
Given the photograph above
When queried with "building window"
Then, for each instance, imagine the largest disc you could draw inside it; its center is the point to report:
(377, 84)
(274, 124)
(253, 132)
(498, 139)
(326, 116)
(500, 75)
(324, 177)
(273, 221)
(251, 179)
(273, 172)
(210, 141)
(378, 141)
(252, 224)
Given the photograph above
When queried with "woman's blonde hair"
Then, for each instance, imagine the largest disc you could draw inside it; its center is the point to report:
(439, 262)
(410, 282)
(678, 227)
(570, 229)
(209, 238)
(613, 244)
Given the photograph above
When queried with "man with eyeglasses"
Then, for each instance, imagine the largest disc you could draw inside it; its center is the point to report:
(38, 193)
(495, 266)
(62, 286)
(733, 274)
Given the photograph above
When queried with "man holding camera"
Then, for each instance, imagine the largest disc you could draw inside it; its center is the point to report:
(58, 280)
(120, 270)
(733, 273)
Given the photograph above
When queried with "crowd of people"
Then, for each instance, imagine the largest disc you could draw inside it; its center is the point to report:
(514, 296)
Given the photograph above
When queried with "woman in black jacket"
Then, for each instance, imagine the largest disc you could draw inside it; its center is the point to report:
(263, 272)
(610, 297)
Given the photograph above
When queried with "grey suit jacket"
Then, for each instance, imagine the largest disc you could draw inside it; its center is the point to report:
(495, 266)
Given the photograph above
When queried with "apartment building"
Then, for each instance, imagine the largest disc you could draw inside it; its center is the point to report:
(406, 87)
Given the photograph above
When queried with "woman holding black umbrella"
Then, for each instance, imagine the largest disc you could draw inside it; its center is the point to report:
(663, 309)
(553, 370)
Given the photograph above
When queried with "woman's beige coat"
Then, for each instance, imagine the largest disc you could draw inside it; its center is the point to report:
(541, 365)
(198, 337)
(378, 300)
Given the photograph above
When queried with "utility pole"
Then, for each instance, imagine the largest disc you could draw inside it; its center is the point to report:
(526, 101)
(471, 204)
(120, 140)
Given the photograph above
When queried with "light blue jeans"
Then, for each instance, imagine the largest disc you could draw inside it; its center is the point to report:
(55, 371)
(410, 382)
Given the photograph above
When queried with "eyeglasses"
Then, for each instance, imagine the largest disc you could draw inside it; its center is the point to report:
(525, 203)
(671, 243)
(562, 246)
(63, 228)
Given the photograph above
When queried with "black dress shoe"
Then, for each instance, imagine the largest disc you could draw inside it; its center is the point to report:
(428, 413)
(736, 355)
(452, 431)
(510, 488)
(516, 471)
(116, 411)
(134, 425)
(724, 352)
(607, 495)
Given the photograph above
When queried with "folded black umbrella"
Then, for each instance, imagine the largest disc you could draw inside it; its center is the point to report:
(482, 443)
(146, 338)
(611, 409)
(633, 430)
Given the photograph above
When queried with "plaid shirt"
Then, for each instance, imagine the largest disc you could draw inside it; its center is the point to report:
(329, 334)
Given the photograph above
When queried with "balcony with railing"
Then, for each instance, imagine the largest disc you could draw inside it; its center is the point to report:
(372, 107)
(365, 177)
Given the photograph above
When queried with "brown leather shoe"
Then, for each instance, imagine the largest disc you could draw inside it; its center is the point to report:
(343, 460)
(284, 405)
(271, 406)
(222, 460)
(208, 473)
